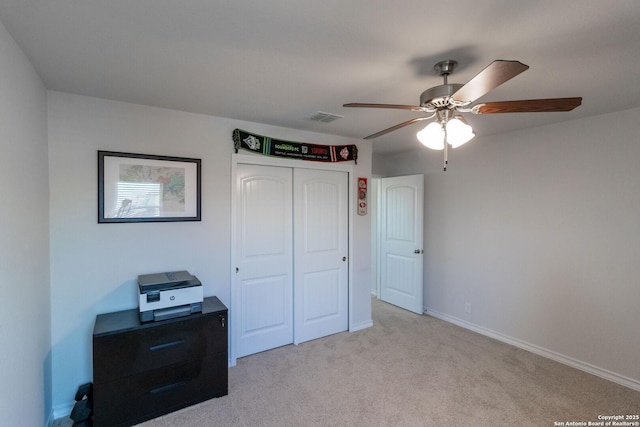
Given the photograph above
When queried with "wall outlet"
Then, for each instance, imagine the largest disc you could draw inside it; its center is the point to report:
(467, 307)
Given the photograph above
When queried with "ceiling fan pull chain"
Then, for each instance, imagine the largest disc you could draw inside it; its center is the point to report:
(446, 143)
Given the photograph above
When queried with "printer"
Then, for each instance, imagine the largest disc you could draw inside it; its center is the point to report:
(169, 295)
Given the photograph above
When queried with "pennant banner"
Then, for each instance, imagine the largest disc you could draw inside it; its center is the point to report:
(296, 150)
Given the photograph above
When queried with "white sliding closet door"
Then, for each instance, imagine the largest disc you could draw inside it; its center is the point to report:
(291, 273)
(320, 251)
(263, 282)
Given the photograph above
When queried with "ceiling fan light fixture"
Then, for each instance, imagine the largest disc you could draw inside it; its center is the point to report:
(432, 136)
(459, 132)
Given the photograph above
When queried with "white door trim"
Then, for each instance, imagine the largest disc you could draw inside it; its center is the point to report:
(274, 161)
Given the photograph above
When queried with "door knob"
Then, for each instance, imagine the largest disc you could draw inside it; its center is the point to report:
(417, 251)
(344, 258)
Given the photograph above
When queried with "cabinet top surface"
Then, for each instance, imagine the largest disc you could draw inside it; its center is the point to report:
(122, 321)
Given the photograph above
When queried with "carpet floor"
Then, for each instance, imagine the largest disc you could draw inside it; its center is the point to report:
(406, 370)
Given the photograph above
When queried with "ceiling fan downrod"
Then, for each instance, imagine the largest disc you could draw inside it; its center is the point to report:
(440, 97)
(444, 68)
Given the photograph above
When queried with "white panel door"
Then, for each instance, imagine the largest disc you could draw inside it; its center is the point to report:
(262, 284)
(321, 228)
(401, 217)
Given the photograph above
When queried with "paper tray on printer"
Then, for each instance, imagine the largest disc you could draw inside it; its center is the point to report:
(171, 285)
(164, 278)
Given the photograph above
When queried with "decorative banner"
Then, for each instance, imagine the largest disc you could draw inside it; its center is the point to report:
(362, 196)
(297, 150)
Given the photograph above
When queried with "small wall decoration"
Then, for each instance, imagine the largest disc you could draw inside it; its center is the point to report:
(362, 196)
(297, 150)
(147, 188)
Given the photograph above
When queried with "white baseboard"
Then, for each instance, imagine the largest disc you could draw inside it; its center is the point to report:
(549, 354)
(61, 411)
(360, 326)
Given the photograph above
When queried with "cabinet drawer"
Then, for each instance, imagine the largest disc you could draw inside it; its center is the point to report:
(148, 395)
(123, 354)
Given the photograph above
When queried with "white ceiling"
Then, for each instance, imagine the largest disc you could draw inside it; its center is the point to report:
(280, 61)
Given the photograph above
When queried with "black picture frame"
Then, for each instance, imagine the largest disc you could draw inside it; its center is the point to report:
(148, 188)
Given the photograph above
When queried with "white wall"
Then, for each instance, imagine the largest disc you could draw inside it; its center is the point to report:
(25, 333)
(94, 266)
(540, 231)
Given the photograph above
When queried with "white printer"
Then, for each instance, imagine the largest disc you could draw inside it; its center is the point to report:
(168, 295)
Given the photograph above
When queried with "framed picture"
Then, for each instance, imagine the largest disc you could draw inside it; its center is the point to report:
(146, 188)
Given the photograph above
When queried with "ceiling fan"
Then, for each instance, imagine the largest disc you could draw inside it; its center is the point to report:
(446, 101)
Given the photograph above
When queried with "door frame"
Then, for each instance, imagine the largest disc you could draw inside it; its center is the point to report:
(278, 162)
(376, 197)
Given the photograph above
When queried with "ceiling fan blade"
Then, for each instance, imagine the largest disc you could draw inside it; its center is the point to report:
(396, 127)
(488, 79)
(395, 106)
(528, 106)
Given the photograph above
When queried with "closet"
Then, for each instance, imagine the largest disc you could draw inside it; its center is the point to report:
(290, 272)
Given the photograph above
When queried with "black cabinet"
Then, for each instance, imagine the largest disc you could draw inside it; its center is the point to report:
(142, 371)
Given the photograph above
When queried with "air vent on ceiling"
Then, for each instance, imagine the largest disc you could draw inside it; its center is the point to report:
(323, 117)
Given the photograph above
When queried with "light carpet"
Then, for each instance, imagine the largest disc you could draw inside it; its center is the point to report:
(406, 370)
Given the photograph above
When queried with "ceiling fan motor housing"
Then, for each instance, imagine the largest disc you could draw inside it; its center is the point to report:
(438, 97)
